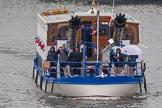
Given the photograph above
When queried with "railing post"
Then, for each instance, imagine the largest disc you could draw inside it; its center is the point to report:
(58, 67)
(97, 68)
(58, 70)
(84, 64)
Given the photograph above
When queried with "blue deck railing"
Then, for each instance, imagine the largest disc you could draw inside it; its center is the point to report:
(93, 69)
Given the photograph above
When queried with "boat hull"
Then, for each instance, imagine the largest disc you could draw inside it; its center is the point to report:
(75, 89)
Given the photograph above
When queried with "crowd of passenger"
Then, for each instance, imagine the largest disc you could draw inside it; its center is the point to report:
(69, 61)
(120, 60)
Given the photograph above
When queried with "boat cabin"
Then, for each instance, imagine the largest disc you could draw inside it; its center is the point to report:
(53, 30)
(97, 66)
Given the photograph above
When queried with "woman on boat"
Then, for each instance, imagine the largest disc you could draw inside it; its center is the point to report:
(118, 58)
(132, 64)
(49, 56)
(52, 57)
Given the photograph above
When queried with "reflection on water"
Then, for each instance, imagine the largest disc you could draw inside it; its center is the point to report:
(18, 29)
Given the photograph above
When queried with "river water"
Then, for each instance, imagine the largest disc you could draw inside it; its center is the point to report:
(17, 31)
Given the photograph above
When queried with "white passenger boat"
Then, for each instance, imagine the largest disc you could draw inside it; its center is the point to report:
(97, 34)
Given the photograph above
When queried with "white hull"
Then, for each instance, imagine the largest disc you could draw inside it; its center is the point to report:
(94, 90)
(83, 90)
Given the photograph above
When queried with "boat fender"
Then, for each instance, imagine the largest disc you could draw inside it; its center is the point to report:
(145, 85)
(46, 85)
(52, 86)
(143, 66)
(36, 78)
(33, 71)
(41, 82)
(140, 86)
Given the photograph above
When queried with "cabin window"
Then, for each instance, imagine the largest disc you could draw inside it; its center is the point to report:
(51, 37)
(132, 34)
(125, 33)
(128, 32)
(63, 33)
(103, 29)
(86, 32)
(111, 32)
(87, 36)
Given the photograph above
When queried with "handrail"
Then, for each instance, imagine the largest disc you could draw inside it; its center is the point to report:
(92, 67)
(93, 45)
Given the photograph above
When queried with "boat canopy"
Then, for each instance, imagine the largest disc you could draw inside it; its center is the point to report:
(47, 19)
(53, 27)
(66, 16)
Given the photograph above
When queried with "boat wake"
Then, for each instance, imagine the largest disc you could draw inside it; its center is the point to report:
(85, 97)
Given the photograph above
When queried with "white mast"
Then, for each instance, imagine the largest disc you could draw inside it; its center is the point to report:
(113, 6)
(93, 3)
(98, 15)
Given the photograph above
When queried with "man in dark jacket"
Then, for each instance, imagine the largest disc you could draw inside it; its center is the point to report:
(76, 57)
(52, 57)
(63, 51)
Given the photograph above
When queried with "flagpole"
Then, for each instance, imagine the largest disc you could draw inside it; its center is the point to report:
(98, 15)
(113, 6)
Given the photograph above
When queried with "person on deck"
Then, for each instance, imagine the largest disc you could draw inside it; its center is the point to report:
(63, 51)
(49, 56)
(132, 64)
(75, 56)
(52, 57)
(118, 58)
